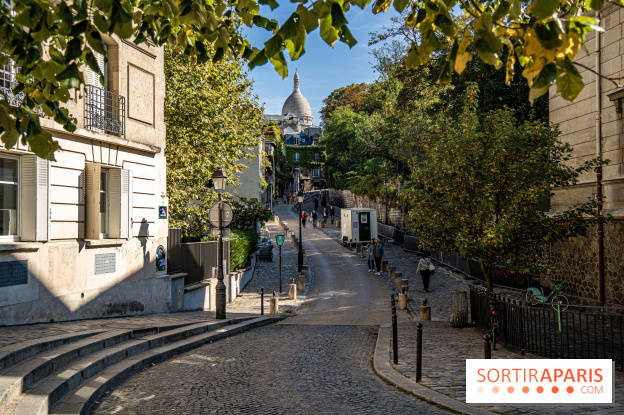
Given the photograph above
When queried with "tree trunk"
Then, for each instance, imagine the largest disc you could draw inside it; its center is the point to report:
(486, 268)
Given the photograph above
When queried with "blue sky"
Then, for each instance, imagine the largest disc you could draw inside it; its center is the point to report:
(322, 68)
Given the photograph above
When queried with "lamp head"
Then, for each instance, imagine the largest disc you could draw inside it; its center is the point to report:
(300, 197)
(219, 179)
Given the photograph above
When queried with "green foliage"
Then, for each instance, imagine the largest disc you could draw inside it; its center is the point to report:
(212, 119)
(242, 244)
(246, 212)
(306, 156)
(481, 185)
(534, 33)
(352, 96)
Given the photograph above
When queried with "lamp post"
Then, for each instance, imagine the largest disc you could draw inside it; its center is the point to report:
(300, 254)
(386, 186)
(219, 180)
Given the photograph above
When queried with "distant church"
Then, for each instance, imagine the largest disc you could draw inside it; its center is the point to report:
(296, 124)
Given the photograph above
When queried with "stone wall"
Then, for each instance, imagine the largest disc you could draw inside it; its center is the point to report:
(576, 262)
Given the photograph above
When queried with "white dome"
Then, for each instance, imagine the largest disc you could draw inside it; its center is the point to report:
(296, 103)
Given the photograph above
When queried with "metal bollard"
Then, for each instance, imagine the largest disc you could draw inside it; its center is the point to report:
(261, 301)
(487, 350)
(395, 334)
(419, 352)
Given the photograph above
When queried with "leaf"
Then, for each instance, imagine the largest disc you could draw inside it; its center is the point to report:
(509, 70)
(338, 17)
(516, 9)
(399, 5)
(273, 46)
(381, 6)
(463, 56)
(446, 75)
(296, 45)
(543, 9)
(309, 19)
(543, 82)
(74, 49)
(569, 81)
(43, 145)
(279, 63)
(347, 37)
(290, 28)
(258, 59)
(595, 4)
(328, 32)
(70, 77)
(271, 3)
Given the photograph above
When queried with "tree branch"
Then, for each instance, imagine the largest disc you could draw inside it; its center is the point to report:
(600, 75)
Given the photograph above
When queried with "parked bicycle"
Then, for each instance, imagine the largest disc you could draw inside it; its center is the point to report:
(494, 321)
(535, 295)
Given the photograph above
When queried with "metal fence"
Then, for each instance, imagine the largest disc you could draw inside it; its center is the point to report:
(385, 231)
(594, 333)
(104, 111)
(197, 259)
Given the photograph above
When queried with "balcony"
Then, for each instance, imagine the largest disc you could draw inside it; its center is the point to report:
(104, 111)
(8, 82)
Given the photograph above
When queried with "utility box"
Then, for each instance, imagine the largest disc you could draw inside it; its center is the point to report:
(358, 225)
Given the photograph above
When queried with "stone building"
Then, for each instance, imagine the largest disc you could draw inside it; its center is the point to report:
(592, 124)
(84, 236)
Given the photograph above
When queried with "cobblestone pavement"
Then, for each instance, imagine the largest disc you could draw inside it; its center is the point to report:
(278, 369)
(266, 275)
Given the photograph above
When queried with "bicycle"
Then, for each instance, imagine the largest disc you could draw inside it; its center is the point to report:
(494, 322)
(535, 295)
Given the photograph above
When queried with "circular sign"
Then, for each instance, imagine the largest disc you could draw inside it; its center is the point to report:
(213, 215)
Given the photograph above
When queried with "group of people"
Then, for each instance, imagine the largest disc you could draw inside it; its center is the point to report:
(375, 254)
(327, 212)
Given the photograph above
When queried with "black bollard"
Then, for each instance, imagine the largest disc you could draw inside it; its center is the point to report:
(487, 351)
(261, 301)
(419, 352)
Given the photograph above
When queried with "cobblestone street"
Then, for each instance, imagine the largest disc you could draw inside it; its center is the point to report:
(279, 369)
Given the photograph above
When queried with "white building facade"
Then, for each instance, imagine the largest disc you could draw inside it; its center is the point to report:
(84, 236)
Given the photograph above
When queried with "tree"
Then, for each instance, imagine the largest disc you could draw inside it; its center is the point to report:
(352, 96)
(51, 40)
(212, 120)
(481, 186)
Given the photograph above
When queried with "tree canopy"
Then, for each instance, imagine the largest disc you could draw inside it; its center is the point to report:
(212, 120)
(50, 40)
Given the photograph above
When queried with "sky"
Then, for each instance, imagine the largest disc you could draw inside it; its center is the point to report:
(322, 68)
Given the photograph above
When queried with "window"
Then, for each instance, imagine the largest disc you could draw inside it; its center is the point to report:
(108, 202)
(103, 202)
(316, 172)
(317, 157)
(296, 156)
(9, 194)
(297, 142)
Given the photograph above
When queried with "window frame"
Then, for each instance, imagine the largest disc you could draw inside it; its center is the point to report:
(316, 172)
(16, 237)
(296, 156)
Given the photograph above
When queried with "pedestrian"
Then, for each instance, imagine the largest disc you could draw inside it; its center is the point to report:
(325, 214)
(315, 203)
(314, 218)
(285, 199)
(331, 214)
(370, 255)
(379, 255)
(304, 217)
(425, 266)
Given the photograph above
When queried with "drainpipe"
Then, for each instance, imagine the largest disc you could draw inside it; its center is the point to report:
(601, 279)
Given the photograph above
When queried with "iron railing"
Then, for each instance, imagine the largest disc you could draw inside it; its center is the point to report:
(8, 83)
(584, 332)
(104, 111)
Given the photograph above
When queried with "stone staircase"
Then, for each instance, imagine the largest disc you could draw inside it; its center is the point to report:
(67, 374)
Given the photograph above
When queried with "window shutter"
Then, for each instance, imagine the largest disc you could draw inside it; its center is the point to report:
(93, 172)
(120, 203)
(34, 199)
(92, 77)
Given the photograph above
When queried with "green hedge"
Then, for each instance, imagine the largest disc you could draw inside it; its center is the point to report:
(242, 244)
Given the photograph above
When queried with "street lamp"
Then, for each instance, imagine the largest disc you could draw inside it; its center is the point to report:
(219, 179)
(300, 254)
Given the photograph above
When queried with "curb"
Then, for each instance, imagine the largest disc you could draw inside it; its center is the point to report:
(383, 369)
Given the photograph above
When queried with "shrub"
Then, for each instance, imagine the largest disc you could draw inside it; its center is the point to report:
(242, 244)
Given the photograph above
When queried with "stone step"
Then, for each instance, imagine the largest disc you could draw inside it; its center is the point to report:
(55, 353)
(44, 394)
(80, 399)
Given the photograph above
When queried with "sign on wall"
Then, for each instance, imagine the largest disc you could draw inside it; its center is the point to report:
(162, 212)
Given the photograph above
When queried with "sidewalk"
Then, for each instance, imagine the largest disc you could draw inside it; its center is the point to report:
(445, 349)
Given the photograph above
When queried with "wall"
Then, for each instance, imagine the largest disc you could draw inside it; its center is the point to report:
(249, 186)
(346, 199)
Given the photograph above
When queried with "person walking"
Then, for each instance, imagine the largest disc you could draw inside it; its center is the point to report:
(314, 218)
(325, 214)
(331, 214)
(379, 255)
(424, 266)
(304, 217)
(370, 255)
